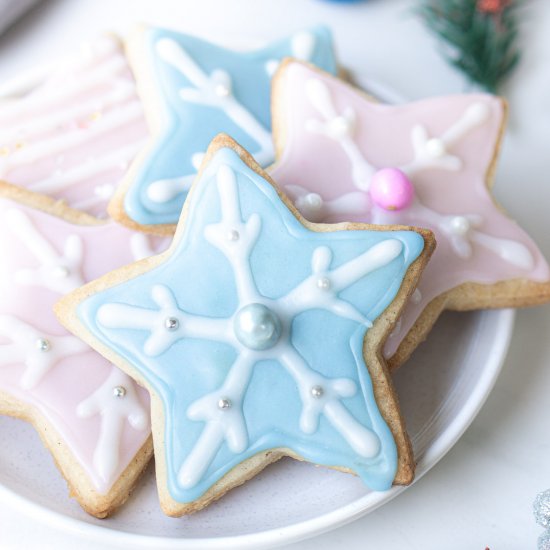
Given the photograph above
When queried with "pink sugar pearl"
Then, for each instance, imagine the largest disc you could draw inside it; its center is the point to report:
(391, 189)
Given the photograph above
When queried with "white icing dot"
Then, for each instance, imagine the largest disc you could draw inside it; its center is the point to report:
(435, 148)
(317, 392)
(416, 297)
(314, 201)
(323, 283)
(221, 90)
(460, 225)
(61, 271)
(43, 345)
(224, 403)
(233, 235)
(119, 391)
(340, 126)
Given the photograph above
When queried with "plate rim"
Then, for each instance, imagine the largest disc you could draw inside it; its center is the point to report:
(504, 319)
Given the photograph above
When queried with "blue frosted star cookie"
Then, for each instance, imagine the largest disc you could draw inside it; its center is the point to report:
(258, 335)
(193, 90)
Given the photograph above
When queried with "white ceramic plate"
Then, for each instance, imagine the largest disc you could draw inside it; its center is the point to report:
(441, 390)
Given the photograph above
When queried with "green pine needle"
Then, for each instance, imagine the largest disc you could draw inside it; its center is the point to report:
(482, 45)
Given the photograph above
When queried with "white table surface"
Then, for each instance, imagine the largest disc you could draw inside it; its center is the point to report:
(480, 495)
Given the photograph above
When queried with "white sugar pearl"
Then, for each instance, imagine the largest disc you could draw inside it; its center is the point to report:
(435, 148)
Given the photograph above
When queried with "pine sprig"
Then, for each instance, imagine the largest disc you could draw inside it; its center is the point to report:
(481, 35)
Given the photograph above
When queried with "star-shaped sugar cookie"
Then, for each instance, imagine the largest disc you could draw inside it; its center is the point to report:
(192, 90)
(73, 135)
(92, 417)
(343, 157)
(258, 336)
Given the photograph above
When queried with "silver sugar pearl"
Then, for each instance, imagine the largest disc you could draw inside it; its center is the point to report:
(171, 323)
(323, 283)
(119, 391)
(257, 327)
(224, 403)
(43, 345)
(541, 508)
(233, 235)
(317, 392)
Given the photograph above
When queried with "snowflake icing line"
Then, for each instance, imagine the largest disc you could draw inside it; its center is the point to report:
(429, 153)
(39, 352)
(213, 90)
(221, 410)
(116, 401)
(57, 272)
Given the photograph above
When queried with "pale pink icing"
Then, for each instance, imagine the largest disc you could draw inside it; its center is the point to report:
(74, 378)
(383, 135)
(86, 116)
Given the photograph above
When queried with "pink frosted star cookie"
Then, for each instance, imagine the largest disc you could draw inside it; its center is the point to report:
(92, 417)
(73, 135)
(343, 157)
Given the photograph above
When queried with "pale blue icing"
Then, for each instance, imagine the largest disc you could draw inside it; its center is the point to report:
(203, 283)
(189, 127)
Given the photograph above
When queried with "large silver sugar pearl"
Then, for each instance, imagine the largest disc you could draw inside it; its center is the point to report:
(257, 327)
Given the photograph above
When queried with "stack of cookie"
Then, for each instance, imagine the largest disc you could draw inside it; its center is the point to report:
(240, 244)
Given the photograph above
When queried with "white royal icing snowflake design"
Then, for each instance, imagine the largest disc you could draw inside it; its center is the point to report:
(116, 401)
(37, 351)
(429, 153)
(60, 273)
(258, 330)
(213, 90)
